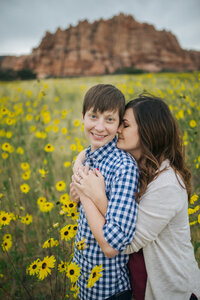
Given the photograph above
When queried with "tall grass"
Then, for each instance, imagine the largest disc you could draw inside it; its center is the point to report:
(41, 133)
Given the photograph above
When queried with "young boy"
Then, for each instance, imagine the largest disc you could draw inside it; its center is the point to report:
(103, 110)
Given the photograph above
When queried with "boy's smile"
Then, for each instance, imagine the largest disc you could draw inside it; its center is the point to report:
(100, 128)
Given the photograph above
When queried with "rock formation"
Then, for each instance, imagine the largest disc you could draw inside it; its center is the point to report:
(103, 47)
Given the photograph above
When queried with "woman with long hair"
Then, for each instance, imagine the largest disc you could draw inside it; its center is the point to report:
(162, 263)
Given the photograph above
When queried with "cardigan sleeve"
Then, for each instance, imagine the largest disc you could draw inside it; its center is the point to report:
(156, 208)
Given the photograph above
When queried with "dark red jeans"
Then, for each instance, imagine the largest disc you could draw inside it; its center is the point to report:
(138, 274)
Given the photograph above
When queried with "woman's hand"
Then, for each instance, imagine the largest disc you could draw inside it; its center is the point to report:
(92, 185)
(74, 196)
(79, 161)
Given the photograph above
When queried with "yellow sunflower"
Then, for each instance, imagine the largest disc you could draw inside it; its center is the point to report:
(6, 245)
(75, 289)
(66, 233)
(74, 229)
(20, 150)
(26, 175)
(25, 166)
(198, 219)
(81, 245)
(33, 269)
(73, 272)
(64, 198)
(49, 148)
(4, 155)
(69, 206)
(45, 266)
(94, 276)
(62, 267)
(46, 207)
(50, 243)
(7, 237)
(73, 147)
(43, 173)
(67, 164)
(194, 198)
(27, 219)
(74, 215)
(77, 123)
(41, 200)
(193, 123)
(25, 188)
(60, 186)
(5, 218)
(6, 147)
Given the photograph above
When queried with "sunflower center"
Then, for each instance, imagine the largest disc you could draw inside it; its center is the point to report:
(94, 275)
(4, 218)
(71, 272)
(71, 205)
(44, 265)
(34, 266)
(66, 233)
(75, 227)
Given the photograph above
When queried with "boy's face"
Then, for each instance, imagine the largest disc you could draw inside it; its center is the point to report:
(100, 128)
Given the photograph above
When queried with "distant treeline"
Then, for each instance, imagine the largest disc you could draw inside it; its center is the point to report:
(23, 74)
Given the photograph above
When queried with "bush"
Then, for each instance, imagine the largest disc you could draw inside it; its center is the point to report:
(129, 70)
(23, 74)
(8, 75)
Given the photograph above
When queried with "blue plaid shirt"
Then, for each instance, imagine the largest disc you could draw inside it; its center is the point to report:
(121, 176)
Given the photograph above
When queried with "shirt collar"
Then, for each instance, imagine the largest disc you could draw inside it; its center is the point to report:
(164, 164)
(101, 152)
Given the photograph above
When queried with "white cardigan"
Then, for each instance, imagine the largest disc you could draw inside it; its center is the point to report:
(163, 231)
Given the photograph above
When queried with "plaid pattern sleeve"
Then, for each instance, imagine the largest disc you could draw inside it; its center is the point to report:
(122, 208)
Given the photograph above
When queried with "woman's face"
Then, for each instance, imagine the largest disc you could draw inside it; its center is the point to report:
(128, 137)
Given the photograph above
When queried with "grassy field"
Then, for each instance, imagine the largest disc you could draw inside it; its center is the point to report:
(41, 133)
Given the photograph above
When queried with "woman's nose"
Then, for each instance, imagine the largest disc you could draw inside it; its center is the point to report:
(119, 130)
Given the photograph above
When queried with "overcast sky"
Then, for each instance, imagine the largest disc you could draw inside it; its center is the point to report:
(23, 23)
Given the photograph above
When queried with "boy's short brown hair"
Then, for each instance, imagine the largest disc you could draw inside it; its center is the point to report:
(104, 97)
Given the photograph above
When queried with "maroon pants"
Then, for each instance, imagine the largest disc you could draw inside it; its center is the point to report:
(138, 274)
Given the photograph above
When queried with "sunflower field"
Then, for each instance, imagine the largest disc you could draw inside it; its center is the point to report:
(41, 133)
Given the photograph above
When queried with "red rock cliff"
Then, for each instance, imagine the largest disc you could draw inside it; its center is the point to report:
(104, 46)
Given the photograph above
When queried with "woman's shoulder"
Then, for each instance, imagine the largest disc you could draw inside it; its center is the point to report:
(166, 189)
(167, 177)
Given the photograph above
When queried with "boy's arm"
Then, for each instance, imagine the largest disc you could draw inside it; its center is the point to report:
(121, 214)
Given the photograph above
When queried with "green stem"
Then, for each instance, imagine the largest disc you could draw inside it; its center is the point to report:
(30, 297)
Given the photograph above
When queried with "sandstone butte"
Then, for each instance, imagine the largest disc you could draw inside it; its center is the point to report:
(103, 47)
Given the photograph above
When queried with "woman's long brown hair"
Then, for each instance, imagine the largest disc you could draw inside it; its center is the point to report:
(160, 139)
